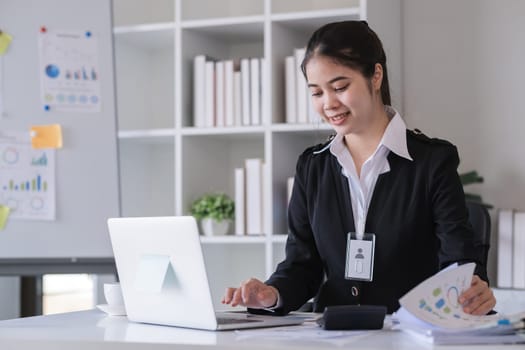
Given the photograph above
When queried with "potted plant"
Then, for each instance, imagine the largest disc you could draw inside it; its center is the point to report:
(215, 212)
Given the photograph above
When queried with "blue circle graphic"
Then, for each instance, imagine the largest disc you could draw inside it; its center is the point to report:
(52, 71)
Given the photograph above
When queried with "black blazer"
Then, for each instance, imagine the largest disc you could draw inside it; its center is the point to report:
(417, 213)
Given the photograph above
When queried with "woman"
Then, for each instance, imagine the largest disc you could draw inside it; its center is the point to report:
(376, 188)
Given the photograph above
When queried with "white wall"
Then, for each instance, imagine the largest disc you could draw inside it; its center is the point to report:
(464, 79)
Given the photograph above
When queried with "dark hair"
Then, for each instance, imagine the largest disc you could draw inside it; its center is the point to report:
(352, 44)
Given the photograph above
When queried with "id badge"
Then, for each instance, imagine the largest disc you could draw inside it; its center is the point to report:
(360, 257)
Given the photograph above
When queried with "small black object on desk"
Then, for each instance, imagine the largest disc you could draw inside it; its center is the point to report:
(343, 317)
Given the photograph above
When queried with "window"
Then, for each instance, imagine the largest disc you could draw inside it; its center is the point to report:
(65, 293)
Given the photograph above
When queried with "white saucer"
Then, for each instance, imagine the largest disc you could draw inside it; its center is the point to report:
(118, 310)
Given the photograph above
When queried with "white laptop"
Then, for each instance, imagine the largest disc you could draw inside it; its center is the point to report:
(163, 277)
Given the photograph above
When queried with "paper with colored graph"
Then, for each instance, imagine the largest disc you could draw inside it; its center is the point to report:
(27, 177)
(69, 71)
(431, 312)
(435, 300)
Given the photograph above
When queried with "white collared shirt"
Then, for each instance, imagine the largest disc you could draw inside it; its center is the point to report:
(362, 188)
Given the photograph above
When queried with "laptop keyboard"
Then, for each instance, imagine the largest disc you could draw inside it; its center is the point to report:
(226, 320)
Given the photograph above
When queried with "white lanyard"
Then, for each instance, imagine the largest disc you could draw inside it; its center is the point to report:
(362, 207)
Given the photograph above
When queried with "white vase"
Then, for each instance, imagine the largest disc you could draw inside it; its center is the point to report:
(212, 227)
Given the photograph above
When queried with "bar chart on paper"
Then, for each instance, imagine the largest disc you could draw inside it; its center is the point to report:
(26, 178)
(34, 185)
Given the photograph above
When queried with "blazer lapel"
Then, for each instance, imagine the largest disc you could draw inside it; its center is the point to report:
(343, 197)
(382, 190)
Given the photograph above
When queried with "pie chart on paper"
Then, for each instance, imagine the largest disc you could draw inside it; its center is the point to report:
(52, 71)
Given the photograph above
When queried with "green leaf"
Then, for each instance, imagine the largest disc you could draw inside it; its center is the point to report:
(218, 206)
(470, 177)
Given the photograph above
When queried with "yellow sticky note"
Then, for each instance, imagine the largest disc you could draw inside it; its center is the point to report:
(4, 214)
(5, 40)
(46, 136)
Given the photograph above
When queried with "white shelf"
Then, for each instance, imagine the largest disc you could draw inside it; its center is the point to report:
(153, 136)
(221, 22)
(223, 130)
(232, 239)
(142, 134)
(317, 18)
(283, 127)
(145, 28)
(279, 238)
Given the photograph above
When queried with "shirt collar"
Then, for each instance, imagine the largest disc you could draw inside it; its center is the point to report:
(394, 138)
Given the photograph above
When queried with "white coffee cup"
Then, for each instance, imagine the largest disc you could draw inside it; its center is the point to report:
(113, 294)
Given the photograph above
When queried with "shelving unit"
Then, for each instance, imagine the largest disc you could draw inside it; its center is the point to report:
(166, 163)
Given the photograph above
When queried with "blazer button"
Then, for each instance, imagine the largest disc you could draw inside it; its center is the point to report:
(355, 291)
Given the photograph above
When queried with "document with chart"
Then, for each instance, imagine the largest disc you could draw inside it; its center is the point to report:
(432, 309)
(27, 177)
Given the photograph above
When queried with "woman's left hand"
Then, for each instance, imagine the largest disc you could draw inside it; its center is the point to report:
(478, 299)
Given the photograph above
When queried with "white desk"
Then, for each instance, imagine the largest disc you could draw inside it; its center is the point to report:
(94, 330)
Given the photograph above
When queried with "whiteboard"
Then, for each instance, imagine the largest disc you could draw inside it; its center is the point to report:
(87, 188)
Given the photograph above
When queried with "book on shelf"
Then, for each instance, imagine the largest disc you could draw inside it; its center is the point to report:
(240, 202)
(263, 107)
(431, 312)
(254, 196)
(255, 91)
(266, 197)
(209, 96)
(229, 93)
(505, 229)
(301, 88)
(220, 118)
(245, 91)
(290, 98)
(518, 253)
(199, 90)
(237, 98)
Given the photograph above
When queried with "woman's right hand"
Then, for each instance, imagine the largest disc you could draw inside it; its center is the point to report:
(252, 293)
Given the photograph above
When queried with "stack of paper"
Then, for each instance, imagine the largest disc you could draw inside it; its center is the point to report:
(432, 312)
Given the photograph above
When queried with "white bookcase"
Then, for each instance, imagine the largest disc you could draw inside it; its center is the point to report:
(166, 163)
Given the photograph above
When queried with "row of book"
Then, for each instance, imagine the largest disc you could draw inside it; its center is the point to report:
(511, 249)
(250, 188)
(299, 109)
(228, 92)
(250, 197)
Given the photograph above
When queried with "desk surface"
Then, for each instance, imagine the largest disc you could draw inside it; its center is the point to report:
(93, 329)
